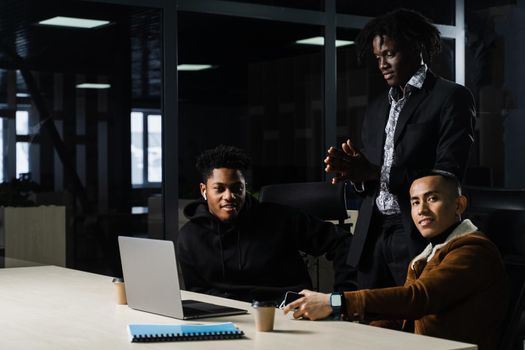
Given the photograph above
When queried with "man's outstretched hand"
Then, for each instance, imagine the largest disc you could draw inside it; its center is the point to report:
(348, 163)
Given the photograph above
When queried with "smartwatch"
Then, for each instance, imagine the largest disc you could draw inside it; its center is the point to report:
(336, 301)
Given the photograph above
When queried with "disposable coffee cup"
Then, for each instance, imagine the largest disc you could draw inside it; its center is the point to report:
(120, 291)
(264, 315)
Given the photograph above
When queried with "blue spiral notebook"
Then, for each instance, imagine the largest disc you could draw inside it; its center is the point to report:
(141, 333)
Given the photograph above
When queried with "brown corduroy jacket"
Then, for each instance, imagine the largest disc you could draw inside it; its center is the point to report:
(455, 290)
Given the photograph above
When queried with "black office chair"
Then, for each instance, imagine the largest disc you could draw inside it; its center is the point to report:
(321, 199)
(500, 213)
(506, 228)
(482, 201)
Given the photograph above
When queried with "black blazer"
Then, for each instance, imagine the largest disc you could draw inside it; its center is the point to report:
(435, 130)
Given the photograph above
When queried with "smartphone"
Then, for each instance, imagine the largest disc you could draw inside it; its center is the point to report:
(290, 297)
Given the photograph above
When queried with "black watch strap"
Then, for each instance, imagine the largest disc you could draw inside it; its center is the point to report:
(343, 307)
(336, 302)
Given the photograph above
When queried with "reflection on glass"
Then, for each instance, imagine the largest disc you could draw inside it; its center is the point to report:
(84, 147)
(154, 148)
(22, 157)
(137, 148)
(22, 123)
(264, 96)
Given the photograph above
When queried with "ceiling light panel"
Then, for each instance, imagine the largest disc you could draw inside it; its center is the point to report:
(93, 86)
(319, 40)
(73, 22)
(193, 67)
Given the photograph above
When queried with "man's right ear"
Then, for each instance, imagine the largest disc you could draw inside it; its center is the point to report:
(203, 191)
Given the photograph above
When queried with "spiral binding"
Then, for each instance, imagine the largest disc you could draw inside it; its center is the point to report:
(187, 336)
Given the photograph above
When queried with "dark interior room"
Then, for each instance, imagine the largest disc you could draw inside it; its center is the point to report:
(101, 120)
(99, 151)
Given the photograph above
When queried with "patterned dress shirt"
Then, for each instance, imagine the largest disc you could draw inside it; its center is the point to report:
(387, 202)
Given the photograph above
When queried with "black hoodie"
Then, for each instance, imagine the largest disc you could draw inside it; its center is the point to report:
(258, 255)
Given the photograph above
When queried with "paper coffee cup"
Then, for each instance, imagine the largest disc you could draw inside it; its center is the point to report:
(120, 291)
(264, 315)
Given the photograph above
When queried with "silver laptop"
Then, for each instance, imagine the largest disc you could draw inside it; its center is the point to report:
(152, 282)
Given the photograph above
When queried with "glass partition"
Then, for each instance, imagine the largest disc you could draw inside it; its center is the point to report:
(67, 94)
(260, 89)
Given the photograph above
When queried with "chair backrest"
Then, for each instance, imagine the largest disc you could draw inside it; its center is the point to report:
(483, 201)
(507, 229)
(495, 198)
(321, 199)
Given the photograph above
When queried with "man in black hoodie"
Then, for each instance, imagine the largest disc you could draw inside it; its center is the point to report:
(235, 247)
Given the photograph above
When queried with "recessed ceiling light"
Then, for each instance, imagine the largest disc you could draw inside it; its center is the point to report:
(73, 22)
(93, 86)
(22, 94)
(319, 40)
(193, 67)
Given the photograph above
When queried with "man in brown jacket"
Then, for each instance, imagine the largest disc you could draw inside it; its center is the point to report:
(455, 289)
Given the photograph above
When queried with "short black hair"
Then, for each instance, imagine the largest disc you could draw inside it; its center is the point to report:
(451, 180)
(222, 156)
(410, 29)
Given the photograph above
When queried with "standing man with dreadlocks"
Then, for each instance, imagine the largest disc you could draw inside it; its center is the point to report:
(421, 122)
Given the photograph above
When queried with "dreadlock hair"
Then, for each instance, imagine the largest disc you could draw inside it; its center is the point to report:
(410, 29)
(222, 157)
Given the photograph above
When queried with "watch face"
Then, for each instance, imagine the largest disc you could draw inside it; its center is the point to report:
(335, 300)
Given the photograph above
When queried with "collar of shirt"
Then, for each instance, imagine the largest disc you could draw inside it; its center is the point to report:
(416, 81)
(466, 227)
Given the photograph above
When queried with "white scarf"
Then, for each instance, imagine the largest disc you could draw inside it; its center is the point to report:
(466, 227)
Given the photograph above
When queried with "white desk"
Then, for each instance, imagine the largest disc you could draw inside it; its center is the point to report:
(50, 307)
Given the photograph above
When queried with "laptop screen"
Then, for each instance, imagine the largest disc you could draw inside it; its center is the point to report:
(150, 273)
